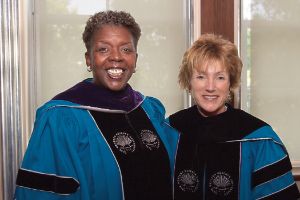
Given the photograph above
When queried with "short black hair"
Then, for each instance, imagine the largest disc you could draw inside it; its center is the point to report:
(109, 17)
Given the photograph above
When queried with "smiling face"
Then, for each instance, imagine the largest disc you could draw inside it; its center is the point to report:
(112, 57)
(209, 88)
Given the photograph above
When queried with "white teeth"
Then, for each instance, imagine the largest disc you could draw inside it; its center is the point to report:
(210, 97)
(115, 72)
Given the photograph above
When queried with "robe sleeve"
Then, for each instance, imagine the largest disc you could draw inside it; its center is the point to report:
(51, 168)
(272, 177)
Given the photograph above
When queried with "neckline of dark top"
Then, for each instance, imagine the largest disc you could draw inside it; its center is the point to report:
(213, 118)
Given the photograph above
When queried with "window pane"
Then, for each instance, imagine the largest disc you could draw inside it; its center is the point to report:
(270, 50)
(59, 47)
(160, 49)
(61, 51)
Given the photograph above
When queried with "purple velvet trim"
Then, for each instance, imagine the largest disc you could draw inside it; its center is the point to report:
(88, 94)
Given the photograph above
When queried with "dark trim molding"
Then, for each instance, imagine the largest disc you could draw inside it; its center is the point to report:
(297, 177)
(218, 17)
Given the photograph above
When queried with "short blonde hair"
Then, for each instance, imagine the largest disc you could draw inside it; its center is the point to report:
(207, 48)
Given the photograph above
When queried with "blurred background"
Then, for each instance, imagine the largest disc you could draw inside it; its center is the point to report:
(42, 54)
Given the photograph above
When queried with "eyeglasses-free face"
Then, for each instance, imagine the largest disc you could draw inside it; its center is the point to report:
(112, 57)
(209, 87)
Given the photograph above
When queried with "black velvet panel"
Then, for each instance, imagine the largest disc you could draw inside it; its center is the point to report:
(230, 125)
(206, 171)
(140, 153)
(46, 182)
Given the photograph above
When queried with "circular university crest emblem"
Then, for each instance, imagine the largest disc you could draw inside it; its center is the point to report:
(149, 139)
(124, 142)
(188, 181)
(221, 183)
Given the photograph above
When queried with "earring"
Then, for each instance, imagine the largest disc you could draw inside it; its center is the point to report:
(229, 97)
(88, 68)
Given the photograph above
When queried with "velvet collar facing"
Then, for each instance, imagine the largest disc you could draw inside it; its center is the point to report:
(88, 94)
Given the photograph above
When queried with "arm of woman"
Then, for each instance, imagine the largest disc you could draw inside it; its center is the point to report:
(51, 166)
(271, 176)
